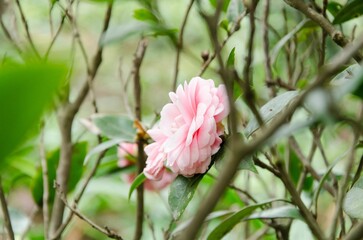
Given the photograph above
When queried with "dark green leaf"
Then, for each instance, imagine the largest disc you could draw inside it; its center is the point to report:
(353, 204)
(231, 58)
(334, 7)
(225, 25)
(278, 212)
(25, 91)
(145, 15)
(79, 152)
(272, 108)
(351, 10)
(136, 183)
(116, 127)
(235, 8)
(228, 224)
(181, 192)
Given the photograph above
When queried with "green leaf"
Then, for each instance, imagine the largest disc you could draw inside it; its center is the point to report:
(353, 204)
(231, 58)
(334, 7)
(225, 4)
(101, 147)
(181, 192)
(224, 25)
(116, 127)
(145, 15)
(278, 212)
(25, 92)
(235, 8)
(136, 183)
(227, 225)
(78, 154)
(272, 108)
(248, 164)
(352, 9)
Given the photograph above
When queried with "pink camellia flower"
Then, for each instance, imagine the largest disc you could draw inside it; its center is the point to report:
(127, 153)
(189, 130)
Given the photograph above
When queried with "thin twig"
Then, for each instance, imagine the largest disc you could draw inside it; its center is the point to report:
(138, 58)
(9, 37)
(235, 28)
(180, 43)
(266, 49)
(79, 195)
(108, 232)
(309, 218)
(26, 26)
(356, 233)
(6, 215)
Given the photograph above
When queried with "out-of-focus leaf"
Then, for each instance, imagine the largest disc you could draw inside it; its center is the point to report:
(145, 15)
(224, 25)
(79, 152)
(352, 9)
(278, 212)
(353, 204)
(334, 7)
(101, 147)
(116, 127)
(136, 183)
(228, 224)
(25, 91)
(231, 58)
(248, 164)
(235, 8)
(122, 32)
(350, 80)
(272, 108)
(224, 7)
(181, 192)
(210, 217)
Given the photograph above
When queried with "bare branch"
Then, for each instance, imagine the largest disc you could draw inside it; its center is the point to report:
(337, 36)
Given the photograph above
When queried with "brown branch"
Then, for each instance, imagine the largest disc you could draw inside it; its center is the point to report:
(356, 233)
(180, 43)
(336, 35)
(6, 215)
(242, 150)
(308, 216)
(65, 118)
(44, 164)
(138, 58)
(344, 185)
